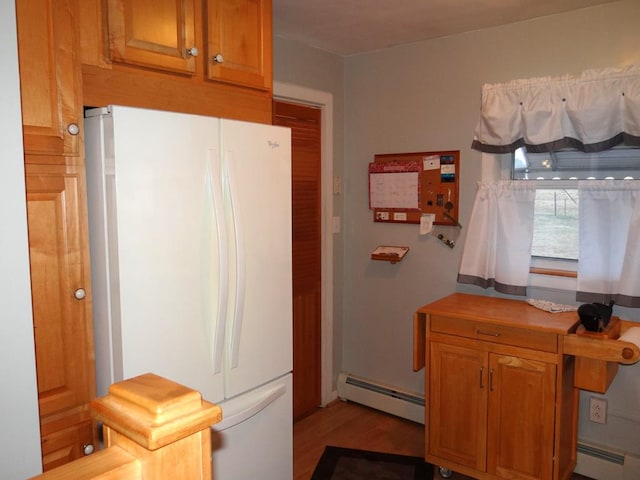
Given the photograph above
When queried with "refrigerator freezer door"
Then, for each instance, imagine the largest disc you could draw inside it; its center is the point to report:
(258, 441)
(257, 169)
(162, 294)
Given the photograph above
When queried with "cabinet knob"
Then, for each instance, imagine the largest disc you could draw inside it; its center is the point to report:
(87, 449)
(218, 58)
(73, 129)
(80, 293)
(192, 52)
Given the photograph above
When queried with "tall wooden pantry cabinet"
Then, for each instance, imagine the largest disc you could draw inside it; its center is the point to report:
(57, 221)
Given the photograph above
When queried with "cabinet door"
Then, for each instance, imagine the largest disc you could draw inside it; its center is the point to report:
(60, 287)
(239, 42)
(158, 34)
(521, 418)
(458, 404)
(49, 77)
(66, 445)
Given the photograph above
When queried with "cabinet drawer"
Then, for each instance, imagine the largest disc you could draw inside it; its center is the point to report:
(519, 337)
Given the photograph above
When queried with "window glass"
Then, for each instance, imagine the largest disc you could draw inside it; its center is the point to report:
(555, 230)
(555, 224)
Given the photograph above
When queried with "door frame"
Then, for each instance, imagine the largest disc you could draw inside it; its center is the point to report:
(324, 101)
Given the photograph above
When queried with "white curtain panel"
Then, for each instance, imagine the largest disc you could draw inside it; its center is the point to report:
(609, 254)
(497, 250)
(593, 111)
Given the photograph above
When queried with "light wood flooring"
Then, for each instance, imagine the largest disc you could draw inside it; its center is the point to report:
(349, 425)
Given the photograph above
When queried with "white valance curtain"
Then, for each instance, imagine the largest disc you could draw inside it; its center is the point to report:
(593, 111)
(497, 250)
(609, 258)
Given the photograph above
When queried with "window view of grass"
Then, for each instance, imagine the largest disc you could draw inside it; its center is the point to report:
(555, 229)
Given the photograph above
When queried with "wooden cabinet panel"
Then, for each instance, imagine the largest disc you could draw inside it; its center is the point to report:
(239, 42)
(59, 273)
(49, 77)
(60, 285)
(521, 417)
(458, 404)
(153, 33)
(66, 445)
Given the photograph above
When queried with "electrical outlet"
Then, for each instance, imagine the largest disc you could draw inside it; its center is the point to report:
(597, 410)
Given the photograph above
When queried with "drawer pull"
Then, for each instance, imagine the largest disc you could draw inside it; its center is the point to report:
(489, 334)
(491, 380)
(481, 377)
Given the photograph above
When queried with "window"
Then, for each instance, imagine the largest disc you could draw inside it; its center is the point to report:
(555, 223)
(555, 231)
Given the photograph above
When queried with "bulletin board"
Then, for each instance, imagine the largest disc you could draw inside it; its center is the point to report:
(404, 186)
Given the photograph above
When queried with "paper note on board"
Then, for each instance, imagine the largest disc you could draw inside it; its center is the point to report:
(431, 162)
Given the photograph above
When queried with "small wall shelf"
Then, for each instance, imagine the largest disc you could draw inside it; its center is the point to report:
(389, 253)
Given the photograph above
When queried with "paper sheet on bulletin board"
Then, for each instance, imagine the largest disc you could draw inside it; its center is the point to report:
(394, 190)
(394, 185)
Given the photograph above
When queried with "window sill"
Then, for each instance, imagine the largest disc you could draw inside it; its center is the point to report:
(560, 280)
(556, 272)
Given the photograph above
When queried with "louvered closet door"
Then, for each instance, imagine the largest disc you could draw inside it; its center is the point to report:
(304, 122)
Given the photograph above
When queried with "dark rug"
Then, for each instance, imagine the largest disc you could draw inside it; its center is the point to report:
(339, 463)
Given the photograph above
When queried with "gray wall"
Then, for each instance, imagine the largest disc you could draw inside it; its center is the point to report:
(426, 96)
(19, 435)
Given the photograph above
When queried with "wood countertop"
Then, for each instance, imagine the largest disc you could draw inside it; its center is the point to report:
(501, 311)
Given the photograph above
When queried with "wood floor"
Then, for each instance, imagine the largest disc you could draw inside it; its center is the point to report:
(349, 425)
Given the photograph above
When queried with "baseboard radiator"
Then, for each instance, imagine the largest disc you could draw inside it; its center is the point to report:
(601, 463)
(402, 403)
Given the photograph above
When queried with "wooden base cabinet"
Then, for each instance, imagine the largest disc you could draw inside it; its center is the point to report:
(499, 397)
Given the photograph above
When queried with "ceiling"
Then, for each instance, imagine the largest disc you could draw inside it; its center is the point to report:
(348, 27)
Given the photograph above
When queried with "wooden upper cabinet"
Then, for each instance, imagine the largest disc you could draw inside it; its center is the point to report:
(158, 34)
(142, 53)
(49, 77)
(239, 45)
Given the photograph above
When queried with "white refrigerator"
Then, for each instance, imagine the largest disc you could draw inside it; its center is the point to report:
(190, 237)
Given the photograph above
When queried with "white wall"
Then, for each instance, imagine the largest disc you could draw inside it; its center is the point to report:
(19, 434)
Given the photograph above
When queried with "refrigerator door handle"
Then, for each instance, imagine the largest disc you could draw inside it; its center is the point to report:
(215, 185)
(236, 215)
(248, 408)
